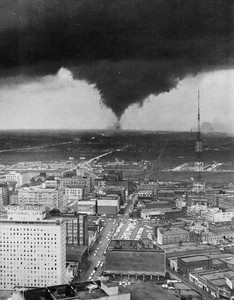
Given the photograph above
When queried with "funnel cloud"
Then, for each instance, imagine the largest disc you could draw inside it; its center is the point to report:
(127, 49)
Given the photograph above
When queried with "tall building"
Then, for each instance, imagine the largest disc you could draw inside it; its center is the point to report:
(108, 205)
(32, 248)
(148, 185)
(4, 194)
(49, 197)
(20, 178)
(76, 229)
(76, 180)
(75, 192)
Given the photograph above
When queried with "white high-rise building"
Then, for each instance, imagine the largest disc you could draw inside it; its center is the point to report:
(20, 178)
(32, 248)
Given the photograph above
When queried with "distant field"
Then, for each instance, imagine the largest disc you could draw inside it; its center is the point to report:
(208, 177)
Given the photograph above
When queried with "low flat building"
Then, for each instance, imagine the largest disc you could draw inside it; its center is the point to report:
(88, 207)
(193, 263)
(218, 237)
(218, 283)
(163, 213)
(191, 248)
(186, 293)
(76, 291)
(145, 194)
(117, 190)
(131, 257)
(108, 205)
(172, 235)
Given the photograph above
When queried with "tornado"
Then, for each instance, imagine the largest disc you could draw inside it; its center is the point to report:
(127, 49)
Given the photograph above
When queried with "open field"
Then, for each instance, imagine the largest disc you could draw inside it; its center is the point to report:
(164, 150)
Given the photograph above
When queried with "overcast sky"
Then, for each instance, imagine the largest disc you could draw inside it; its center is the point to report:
(78, 64)
(61, 102)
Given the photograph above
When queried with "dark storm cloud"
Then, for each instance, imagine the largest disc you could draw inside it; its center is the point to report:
(130, 82)
(128, 48)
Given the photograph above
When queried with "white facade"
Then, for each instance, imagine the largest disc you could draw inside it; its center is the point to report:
(49, 197)
(216, 215)
(145, 194)
(26, 212)
(149, 214)
(19, 178)
(86, 207)
(50, 184)
(74, 192)
(111, 202)
(32, 253)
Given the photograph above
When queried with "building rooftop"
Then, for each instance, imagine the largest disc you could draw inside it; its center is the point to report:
(220, 282)
(218, 275)
(145, 191)
(188, 247)
(38, 188)
(161, 210)
(81, 290)
(216, 261)
(211, 271)
(74, 253)
(194, 258)
(75, 186)
(220, 255)
(133, 245)
(110, 196)
(173, 231)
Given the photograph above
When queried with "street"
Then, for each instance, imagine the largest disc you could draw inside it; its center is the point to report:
(97, 256)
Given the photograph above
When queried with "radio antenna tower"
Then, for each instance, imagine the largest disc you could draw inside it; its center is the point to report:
(198, 147)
